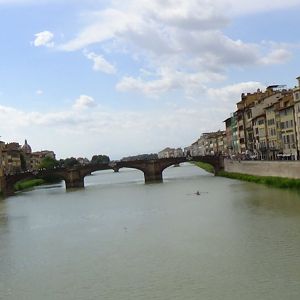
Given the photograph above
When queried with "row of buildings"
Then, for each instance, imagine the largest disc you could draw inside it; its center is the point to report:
(15, 158)
(265, 125)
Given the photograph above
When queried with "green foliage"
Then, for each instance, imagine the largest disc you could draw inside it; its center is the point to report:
(140, 157)
(25, 184)
(48, 163)
(207, 167)
(100, 159)
(279, 182)
(68, 162)
(23, 162)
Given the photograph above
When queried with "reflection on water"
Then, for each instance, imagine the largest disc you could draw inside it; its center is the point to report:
(259, 197)
(121, 239)
(3, 218)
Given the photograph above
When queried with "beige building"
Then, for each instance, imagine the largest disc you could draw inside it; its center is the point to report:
(274, 131)
(260, 136)
(254, 104)
(210, 143)
(170, 152)
(11, 158)
(15, 159)
(2, 145)
(249, 107)
(296, 96)
(288, 128)
(38, 156)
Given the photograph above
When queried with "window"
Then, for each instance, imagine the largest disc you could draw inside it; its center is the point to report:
(260, 122)
(273, 131)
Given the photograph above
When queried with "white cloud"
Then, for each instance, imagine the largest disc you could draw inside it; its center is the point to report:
(84, 132)
(105, 25)
(276, 56)
(100, 63)
(167, 80)
(44, 38)
(184, 37)
(84, 102)
(225, 98)
(244, 7)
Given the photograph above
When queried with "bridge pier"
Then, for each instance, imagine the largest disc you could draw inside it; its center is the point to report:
(153, 173)
(74, 180)
(6, 188)
(153, 177)
(8, 191)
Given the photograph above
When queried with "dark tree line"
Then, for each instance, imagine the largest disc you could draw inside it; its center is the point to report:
(51, 163)
(141, 157)
(100, 159)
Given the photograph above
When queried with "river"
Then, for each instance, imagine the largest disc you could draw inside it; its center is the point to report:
(121, 239)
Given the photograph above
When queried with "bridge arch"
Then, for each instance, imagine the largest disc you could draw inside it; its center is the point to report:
(9, 181)
(74, 178)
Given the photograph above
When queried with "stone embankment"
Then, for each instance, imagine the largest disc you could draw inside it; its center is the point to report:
(285, 169)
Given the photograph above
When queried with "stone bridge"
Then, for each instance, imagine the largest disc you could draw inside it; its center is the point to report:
(74, 177)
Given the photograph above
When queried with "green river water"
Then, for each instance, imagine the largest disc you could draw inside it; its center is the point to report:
(121, 239)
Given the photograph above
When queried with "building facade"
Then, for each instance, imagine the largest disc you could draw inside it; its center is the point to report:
(170, 152)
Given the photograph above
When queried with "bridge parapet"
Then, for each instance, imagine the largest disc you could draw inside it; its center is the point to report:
(74, 178)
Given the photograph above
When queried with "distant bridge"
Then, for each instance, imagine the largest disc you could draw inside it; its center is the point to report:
(74, 177)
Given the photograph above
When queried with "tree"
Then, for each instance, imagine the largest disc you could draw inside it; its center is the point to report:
(100, 159)
(70, 162)
(23, 162)
(48, 163)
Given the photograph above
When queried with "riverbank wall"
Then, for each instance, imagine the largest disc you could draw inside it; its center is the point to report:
(285, 169)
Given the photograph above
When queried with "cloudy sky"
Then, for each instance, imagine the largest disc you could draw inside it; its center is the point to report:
(127, 77)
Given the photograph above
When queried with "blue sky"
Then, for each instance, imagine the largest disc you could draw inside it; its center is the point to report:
(128, 77)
